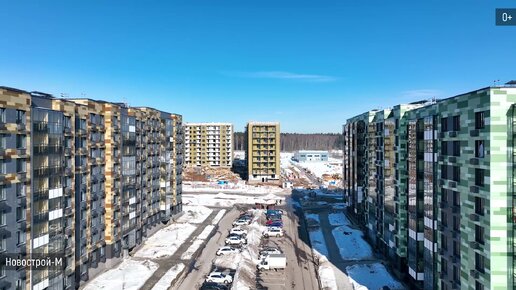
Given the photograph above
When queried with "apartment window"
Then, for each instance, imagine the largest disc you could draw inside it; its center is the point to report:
(444, 218)
(444, 242)
(478, 286)
(2, 271)
(2, 115)
(479, 234)
(479, 149)
(456, 223)
(479, 205)
(444, 124)
(3, 218)
(456, 274)
(480, 121)
(21, 237)
(444, 266)
(3, 244)
(3, 192)
(21, 165)
(479, 177)
(21, 141)
(456, 123)
(456, 173)
(456, 198)
(3, 167)
(20, 117)
(20, 284)
(444, 195)
(20, 213)
(3, 144)
(456, 248)
(479, 262)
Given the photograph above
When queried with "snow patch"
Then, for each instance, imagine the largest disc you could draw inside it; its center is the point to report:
(351, 244)
(372, 276)
(166, 281)
(218, 217)
(166, 241)
(338, 219)
(194, 214)
(130, 274)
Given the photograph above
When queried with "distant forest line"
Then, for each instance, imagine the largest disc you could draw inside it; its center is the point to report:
(296, 141)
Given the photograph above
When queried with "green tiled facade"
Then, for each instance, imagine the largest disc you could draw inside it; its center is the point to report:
(452, 224)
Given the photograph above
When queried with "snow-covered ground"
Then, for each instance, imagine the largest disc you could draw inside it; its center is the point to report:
(338, 219)
(194, 214)
(166, 241)
(166, 280)
(318, 242)
(338, 205)
(218, 217)
(226, 200)
(312, 219)
(327, 276)
(351, 244)
(201, 238)
(198, 186)
(318, 168)
(371, 276)
(130, 274)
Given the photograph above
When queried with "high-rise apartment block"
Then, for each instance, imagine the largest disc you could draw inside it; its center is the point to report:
(83, 179)
(209, 145)
(434, 183)
(263, 151)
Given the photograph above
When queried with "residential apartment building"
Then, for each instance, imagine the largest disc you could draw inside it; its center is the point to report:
(263, 151)
(82, 178)
(209, 145)
(432, 183)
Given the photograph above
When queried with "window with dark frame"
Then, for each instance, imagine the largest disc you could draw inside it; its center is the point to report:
(479, 205)
(479, 177)
(479, 149)
(480, 122)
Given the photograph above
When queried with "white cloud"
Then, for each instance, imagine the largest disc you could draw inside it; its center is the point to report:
(282, 75)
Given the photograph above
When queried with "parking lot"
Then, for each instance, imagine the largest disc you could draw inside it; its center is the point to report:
(299, 271)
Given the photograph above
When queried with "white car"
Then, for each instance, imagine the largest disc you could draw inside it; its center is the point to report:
(269, 251)
(235, 240)
(238, 231)
(226, 250)
(241, 222)
(273, 232)
(218, 277)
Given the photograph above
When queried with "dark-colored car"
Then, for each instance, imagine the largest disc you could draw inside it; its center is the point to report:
(213, 286)
(278, 224)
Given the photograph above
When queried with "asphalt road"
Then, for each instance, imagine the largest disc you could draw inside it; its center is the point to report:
(299, 274)
(202, 265)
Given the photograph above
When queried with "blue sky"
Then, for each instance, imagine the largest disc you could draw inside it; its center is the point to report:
(308, 64)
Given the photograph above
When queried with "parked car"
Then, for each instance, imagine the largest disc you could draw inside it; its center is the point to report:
(218, 277)
(273, 232)
(213, 286)
(246, 216)
(241, 222)
(238, 231)
(273, 216)
(274, 211)
(276, 224)
(269, 222)
(226, 250)
(235, 240)
(269, 250)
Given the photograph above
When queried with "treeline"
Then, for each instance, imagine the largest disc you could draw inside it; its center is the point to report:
(295, 141)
